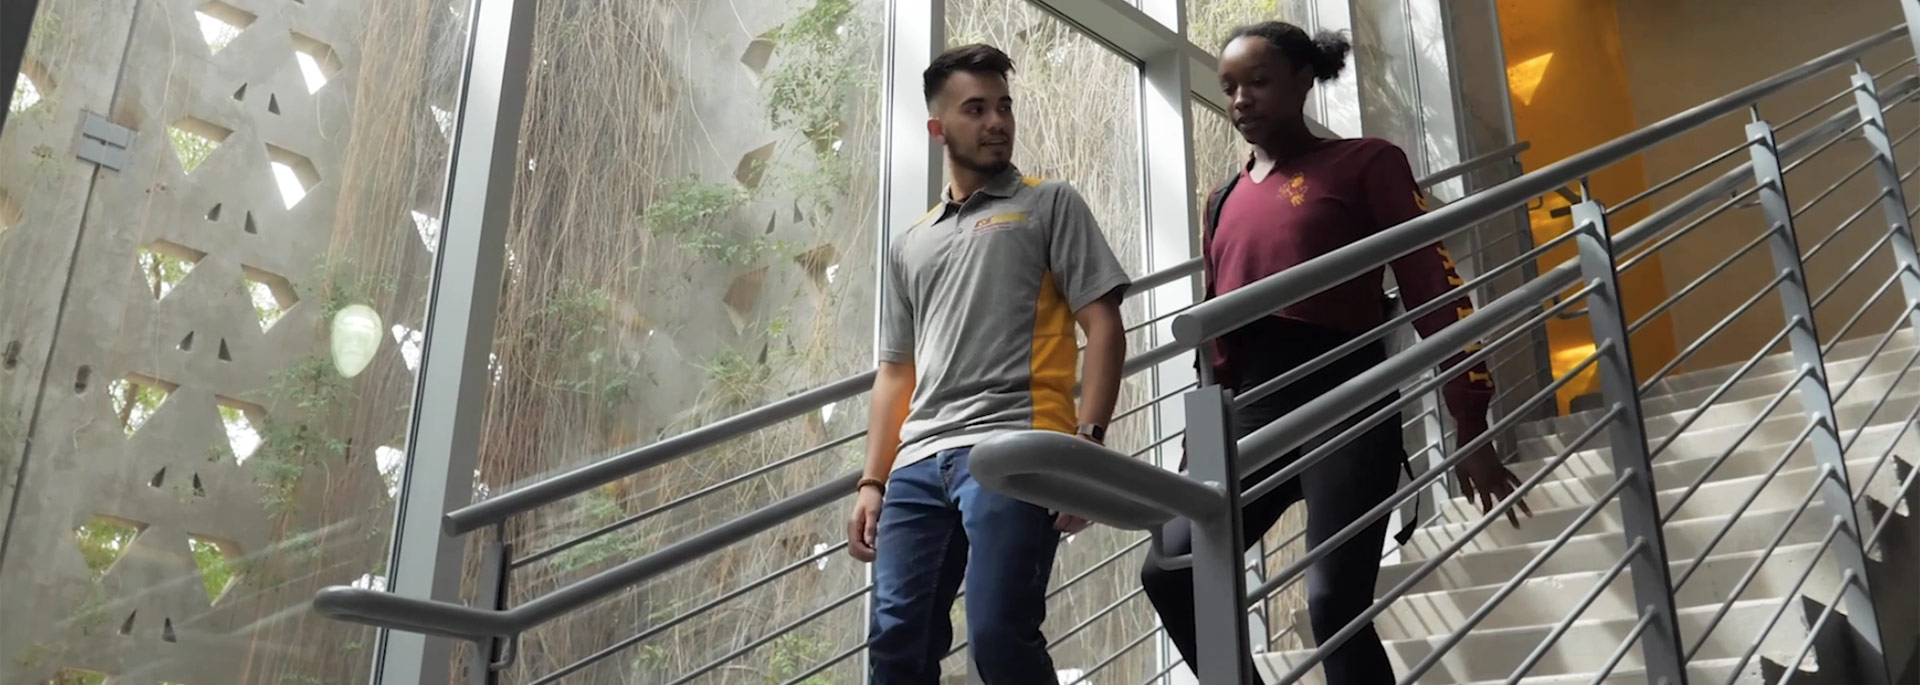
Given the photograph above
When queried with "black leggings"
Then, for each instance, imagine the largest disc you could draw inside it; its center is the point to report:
(1351, 481)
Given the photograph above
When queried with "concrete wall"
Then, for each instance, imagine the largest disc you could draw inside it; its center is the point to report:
(1678, 54)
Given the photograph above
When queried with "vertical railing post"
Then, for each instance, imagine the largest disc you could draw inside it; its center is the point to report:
(1627, 435)
(1893, 199)
(1815, 398)
(1219, 585)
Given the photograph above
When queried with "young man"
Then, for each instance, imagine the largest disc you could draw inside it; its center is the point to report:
(977, 339)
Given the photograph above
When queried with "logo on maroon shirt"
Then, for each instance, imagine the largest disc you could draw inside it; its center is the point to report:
(1295, 189)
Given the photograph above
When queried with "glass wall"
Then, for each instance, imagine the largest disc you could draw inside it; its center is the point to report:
(214, 306)
(693, 235)
(209, 308)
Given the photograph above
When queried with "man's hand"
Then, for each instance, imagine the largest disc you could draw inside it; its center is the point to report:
(863, 527)
(1068, 523)
(1486, 481)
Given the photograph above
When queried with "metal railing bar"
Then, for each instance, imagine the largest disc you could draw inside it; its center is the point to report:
(1883, 74)
(1619, 653)
(539, 493)
(1560, 629)
(1717, 329)
(1733, 518)
(1513, 585)
(1797, 118)
(1880, 527)
(1676, 178)
(1151, 403)
(1443, 300)
(1734, 446)
(1860, 314)
(1176, 663)
(1788, 597)
(1850, 130)
(1628, 241)
(1227, 312)
(823, 666)
(1365, 619)
(809, 617)
(1721, 391)
(1077, 629)
(1906, 424)
(1881, 404)
(1172, 274)
(1136, 328)
(1872, 204)
(1855, 268)
(1867, 361)
(1277, 549)
(1394, 501)
(1103, 563)
(1813, 631)
(689, 614)
(1474, 163)
(1115, 656)
(1320, 453)
(1753, 570)
(1642, 254)
(1910, 132)
(1095, 618)
(686, 499)
(1697, 282)
(1824, 194)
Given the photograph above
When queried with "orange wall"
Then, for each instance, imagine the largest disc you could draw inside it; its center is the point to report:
(1570, 93)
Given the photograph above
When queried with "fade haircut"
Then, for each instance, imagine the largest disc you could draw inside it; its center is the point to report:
(978, 59)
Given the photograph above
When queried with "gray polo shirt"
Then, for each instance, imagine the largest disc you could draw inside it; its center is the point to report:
(981, 298)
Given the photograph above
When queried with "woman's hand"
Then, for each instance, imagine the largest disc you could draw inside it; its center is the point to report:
(1486, 481)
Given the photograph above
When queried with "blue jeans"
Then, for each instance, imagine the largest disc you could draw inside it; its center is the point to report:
(939, 527)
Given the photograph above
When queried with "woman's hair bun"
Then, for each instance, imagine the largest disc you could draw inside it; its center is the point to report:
(1325, 53)
(1331, 48)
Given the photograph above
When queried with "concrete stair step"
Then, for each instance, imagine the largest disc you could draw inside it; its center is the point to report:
(1585, 648)
(1713, 501)
(1781, 427)
(1751, 458)
(1546, 600)
(1883, 371)
(1597, 551)
(1849, 354)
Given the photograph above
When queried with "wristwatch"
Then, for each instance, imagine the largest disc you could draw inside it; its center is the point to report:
(1092, 431)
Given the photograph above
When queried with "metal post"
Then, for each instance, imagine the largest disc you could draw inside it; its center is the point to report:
(1835, 494)
(1639, 505)
(1219, 585)
(1866, 97)
(444, 441)
(916, 31)
(490, 656)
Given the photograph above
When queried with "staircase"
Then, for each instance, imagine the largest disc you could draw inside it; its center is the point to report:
(1417, 625)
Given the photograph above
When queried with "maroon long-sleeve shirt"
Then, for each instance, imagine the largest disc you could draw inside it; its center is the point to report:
(1325, 198)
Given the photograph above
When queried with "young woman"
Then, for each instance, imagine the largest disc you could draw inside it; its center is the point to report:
(1297, 197)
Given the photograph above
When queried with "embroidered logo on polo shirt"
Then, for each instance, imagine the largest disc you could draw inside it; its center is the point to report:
(1295, 189)
(999, 222)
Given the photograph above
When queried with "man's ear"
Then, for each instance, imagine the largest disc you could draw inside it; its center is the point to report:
(936, 129)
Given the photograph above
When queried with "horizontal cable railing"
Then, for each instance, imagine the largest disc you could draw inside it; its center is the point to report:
(1679, 472)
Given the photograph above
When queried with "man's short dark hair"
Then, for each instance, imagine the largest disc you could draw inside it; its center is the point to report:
(977, 59)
